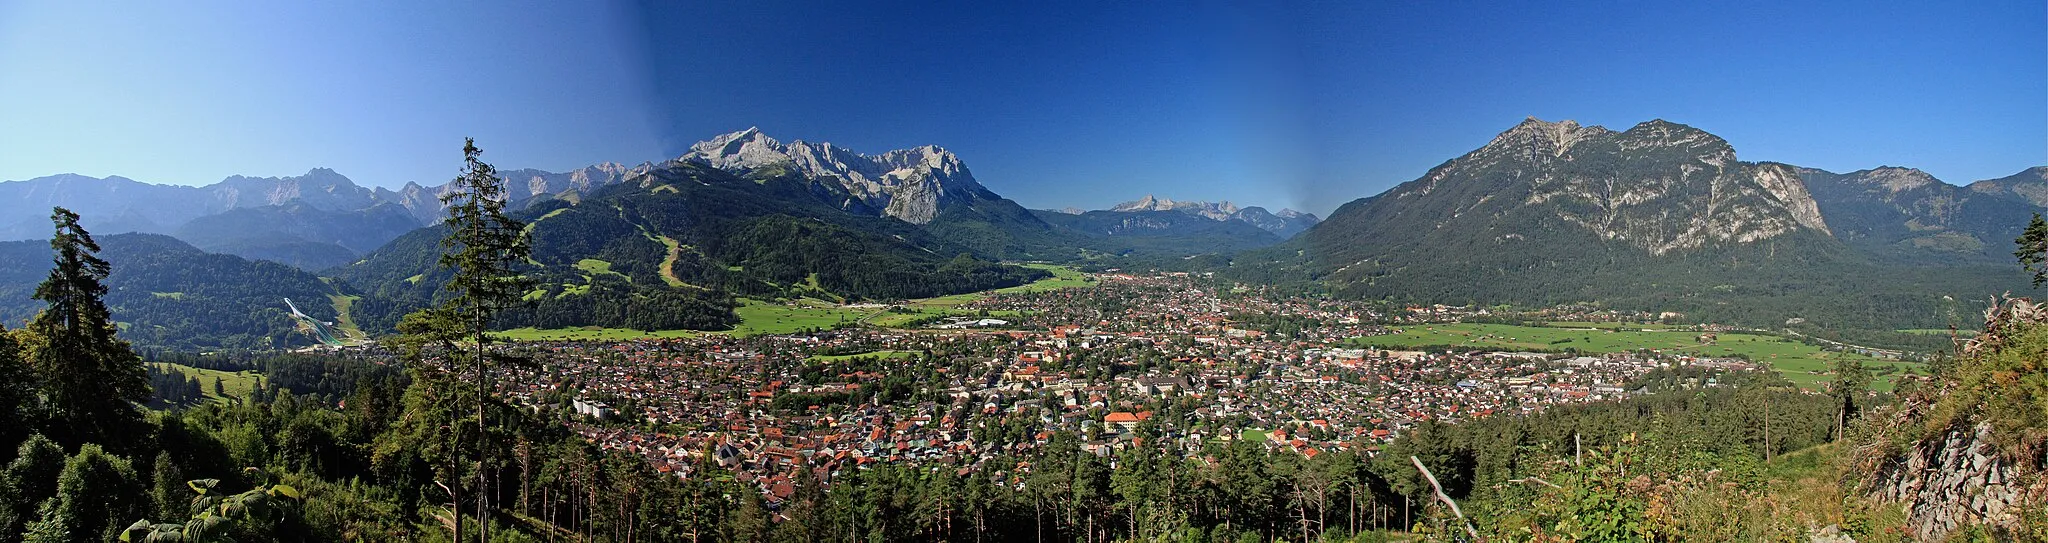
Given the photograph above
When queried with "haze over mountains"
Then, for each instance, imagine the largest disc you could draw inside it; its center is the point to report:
(1286, 223)
(1661, 215)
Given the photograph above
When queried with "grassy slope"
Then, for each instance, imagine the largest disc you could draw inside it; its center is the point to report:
(235, 384)
(1801, 363)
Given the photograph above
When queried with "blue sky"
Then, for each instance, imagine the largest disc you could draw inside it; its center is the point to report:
(1055, 104)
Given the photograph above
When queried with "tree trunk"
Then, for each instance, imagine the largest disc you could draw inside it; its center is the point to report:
(483, 488)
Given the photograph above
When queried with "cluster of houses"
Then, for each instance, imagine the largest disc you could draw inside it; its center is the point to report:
(1158, 357)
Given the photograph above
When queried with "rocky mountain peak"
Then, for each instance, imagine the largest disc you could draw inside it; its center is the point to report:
(909, 184)
(1662, 133)
(1659, 186)
(1895, 179)
(1537, 135)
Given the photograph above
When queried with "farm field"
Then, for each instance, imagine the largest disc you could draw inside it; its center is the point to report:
(759, 317)
(1803, 364)
(1062, 277)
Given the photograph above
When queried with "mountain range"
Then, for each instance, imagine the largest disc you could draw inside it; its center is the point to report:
(1286, 223)
(1659, 216)
(1664, 216)
(314, 221)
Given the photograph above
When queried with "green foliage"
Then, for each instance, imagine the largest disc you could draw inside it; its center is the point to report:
(2033, 250)
(89, 378)
(94, 491)
(212, 512)
(2004, 384)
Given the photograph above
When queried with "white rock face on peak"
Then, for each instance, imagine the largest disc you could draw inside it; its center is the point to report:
(1285, 224)
(908, 184)
(1221, 211)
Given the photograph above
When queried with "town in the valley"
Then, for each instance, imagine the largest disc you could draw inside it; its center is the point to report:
(1127, 359)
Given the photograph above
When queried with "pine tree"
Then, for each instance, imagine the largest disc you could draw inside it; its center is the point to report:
(90, 379)
(2033, 251)
(486, 248)
(1851, 378)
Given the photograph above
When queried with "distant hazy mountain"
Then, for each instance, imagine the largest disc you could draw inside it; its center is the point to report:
(1285, 224)
(522, 187)
(1660, 216)
(1158, 233)
(298, 233)
(315, 220)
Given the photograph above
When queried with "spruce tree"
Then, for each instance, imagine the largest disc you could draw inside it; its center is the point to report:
(90, 379)
(485, 247)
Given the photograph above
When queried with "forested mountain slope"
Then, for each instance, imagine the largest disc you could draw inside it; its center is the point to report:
(670, 249)
(170, 294)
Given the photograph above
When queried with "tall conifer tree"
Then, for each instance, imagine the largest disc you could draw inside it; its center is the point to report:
(485, 246)
(90, 379)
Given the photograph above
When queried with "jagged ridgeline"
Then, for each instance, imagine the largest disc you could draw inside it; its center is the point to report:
(926, 186)
(670, 249)
(166, 293)
(1660, 217)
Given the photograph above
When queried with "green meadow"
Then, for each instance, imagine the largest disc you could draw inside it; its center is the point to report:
(1806, 365)
(233, 384)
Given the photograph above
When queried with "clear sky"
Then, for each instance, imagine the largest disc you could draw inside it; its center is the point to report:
(1056, 104)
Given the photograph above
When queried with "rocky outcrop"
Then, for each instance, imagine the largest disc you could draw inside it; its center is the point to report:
(1967, 472)
(2030, 186)
(1659, 186)
(1953, 480)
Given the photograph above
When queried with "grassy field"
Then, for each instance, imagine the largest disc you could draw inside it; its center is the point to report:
(758, 317)
(235, 384)
(1799, 362)
(592, 266)
(1062, 277)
